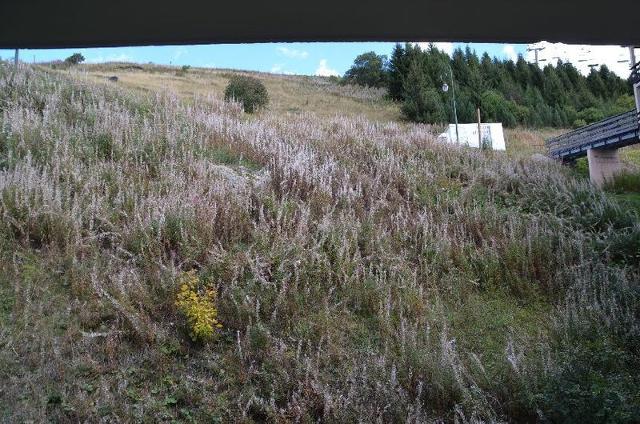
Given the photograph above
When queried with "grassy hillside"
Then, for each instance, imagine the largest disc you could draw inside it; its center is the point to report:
(288, 93)
(295, 94)
(363, 271)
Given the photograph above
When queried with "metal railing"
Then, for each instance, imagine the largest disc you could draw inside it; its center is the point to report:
(621, 128)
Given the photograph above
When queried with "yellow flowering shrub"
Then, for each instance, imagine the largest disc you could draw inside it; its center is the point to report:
(197, 302)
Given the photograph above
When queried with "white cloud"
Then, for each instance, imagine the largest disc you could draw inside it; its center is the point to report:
(278, 68)
(179, 52)
(581, 56)
(443, 46)
(510, 52)
(292, 53)
(110, 58)
(324, 70)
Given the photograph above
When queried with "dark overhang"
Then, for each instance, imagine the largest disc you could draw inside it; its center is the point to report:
(88, 23)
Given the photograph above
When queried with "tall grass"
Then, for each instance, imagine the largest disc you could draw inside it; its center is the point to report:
(364, 272)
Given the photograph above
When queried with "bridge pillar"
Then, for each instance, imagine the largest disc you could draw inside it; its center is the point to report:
(603, 165)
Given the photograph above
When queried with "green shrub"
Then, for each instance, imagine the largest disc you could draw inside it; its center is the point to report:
(582, 167)
(183, 70)
(625, 182)
(579, 123)
(595, 383)
(247, 90)
(591, 115)
(197, 302)
(368, 69)
(75, 59)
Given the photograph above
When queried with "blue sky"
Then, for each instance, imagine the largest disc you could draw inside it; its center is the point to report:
(296, 58)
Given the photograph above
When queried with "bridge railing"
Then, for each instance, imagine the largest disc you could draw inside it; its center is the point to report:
(602, 131)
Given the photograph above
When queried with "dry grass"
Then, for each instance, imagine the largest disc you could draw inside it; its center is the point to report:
(631, 156)
(288, 94)
(365, 273)
(523, 142)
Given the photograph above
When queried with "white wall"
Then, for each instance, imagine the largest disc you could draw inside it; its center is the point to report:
(468, 135)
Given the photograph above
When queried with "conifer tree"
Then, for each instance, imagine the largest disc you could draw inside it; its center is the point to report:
(515, 93)
(421, 103)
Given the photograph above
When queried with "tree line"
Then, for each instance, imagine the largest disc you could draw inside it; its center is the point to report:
(514, 93)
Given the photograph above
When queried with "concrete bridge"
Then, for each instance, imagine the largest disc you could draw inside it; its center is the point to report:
(600, 141)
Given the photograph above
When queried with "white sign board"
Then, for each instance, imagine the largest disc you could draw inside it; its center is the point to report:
(492, 135)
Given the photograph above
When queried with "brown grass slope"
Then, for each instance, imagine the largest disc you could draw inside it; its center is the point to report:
(288, 93)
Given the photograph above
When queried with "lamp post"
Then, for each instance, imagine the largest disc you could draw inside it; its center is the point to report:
(445, 88)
